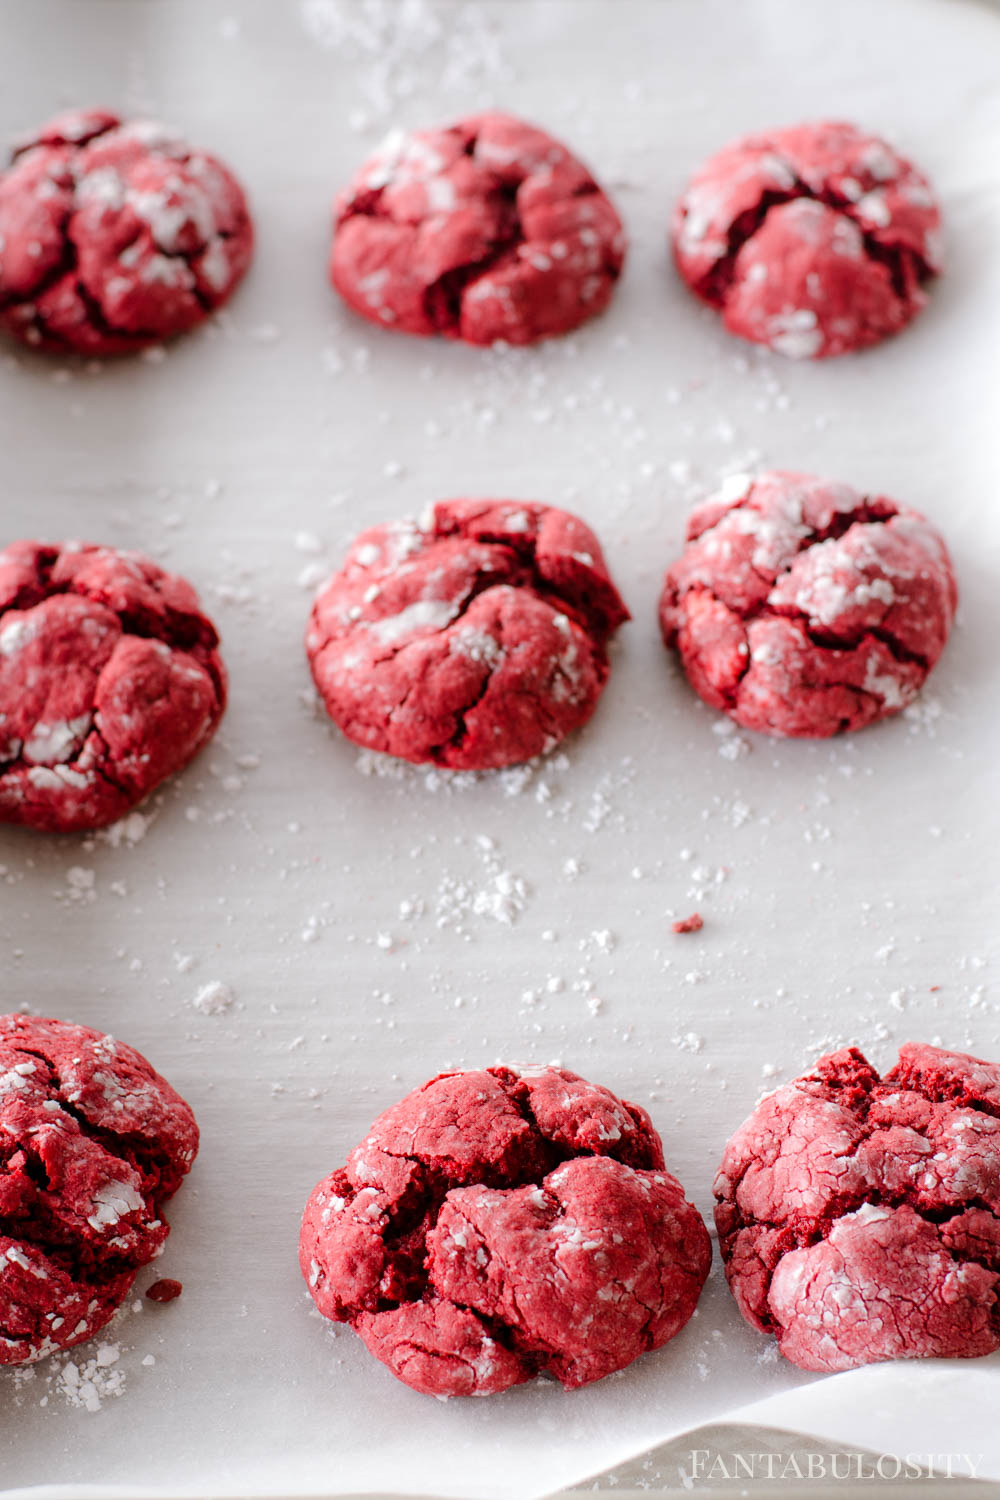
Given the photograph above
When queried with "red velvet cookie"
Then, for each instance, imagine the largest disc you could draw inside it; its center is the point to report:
(114, 236)
(471, 639)
(800, 607)
(110, 681)
(496, 1224)
(859, 1216)
(93, 1144)
(483, 230)
(815, 240)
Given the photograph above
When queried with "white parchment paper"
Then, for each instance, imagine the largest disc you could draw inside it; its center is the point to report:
(373, 929)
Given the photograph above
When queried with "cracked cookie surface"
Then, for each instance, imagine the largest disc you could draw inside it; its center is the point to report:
(115, 235)
(94, 1142)
(859, 1216)
(110, 681)
(801, 607)
(484, 230)
(814, 240)
(473, 638)
(497, 1224)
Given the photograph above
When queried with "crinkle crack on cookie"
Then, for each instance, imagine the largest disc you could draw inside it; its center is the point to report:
(800, 607)
(92, 1143)
(859, 1216)
(473, 638)
(110, 681)
(485, 230)
(497, 1224)
(114, 235)
(815, 240)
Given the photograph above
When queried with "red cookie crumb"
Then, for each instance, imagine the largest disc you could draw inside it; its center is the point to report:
(110, 681)
(114, 235)
(164, 1290)
(800, 607)
(693, 923)
(484, 230)
(496, 1224)
(94, 1143)
(471, 639)
(815, 240)
(859, 1216)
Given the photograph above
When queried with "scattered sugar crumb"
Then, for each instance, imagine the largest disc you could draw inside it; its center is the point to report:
(214, 998)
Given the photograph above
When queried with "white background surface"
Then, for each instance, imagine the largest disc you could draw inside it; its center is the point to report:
(857, 875)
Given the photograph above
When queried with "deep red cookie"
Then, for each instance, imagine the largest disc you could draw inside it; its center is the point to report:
(496, 1224)
(93, 1144)
(484, 230)
(473, 638)
(800, 607)
(110, 681)
(115, 235)
(814, 240)
(859, 1216)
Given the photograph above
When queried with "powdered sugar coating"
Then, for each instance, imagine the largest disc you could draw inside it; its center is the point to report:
(484, 230)
(494, 1224)
(801, 607)
(471, 639)
(94, 1142)
(110, 681)
(115, 235)
(859, 1216)
(814, 240)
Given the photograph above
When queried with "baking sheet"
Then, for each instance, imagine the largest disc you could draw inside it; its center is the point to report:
(375, 925)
